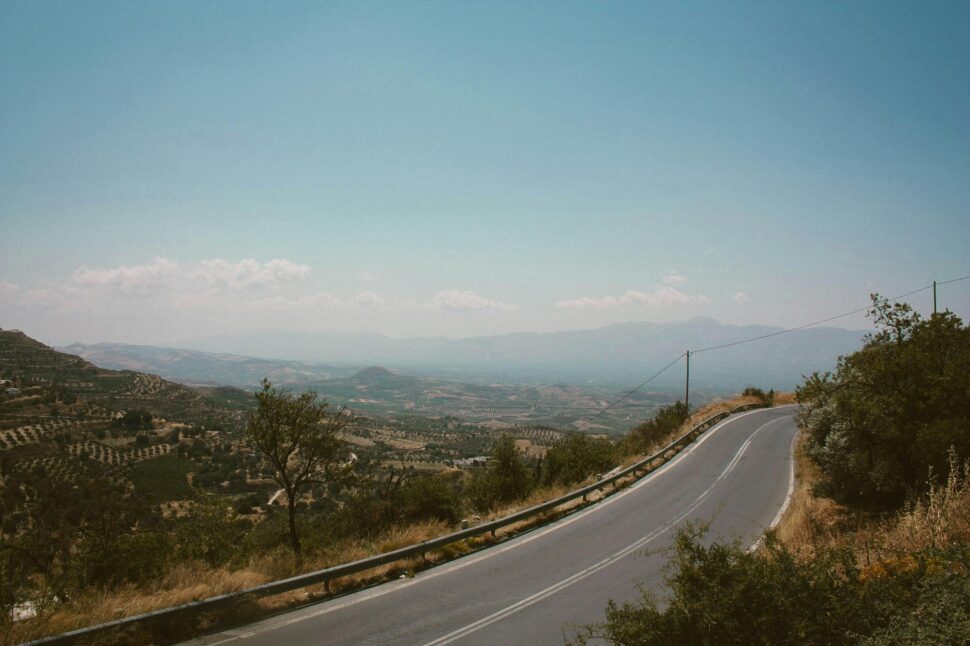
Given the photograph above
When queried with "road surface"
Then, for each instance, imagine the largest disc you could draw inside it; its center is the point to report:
(535, 588)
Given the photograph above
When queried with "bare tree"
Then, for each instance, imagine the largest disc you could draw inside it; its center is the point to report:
(299, 437)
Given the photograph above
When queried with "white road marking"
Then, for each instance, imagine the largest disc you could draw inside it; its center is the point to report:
(788, 496)
(394, 586)
(593, 569)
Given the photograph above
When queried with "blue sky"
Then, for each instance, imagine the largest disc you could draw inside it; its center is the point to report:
(170, 170)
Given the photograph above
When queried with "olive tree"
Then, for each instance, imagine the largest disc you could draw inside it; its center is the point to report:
(299, 437)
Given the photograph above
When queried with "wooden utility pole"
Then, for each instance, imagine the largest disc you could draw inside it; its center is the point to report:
(687, 385)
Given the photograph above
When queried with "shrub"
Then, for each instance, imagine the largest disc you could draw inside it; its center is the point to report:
(892, 410)
(647, 435)
(724, 594)
(504, 480)
(575, 457)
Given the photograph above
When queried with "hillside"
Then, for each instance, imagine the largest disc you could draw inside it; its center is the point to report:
(70, 418)
(378, 390)
(194, 367)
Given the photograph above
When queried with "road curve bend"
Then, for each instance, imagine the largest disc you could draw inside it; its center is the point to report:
(536, 588)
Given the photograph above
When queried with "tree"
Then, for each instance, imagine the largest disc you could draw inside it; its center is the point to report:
(505, 479)
(299, 438)
(664, 424)
(892, 410)
(575, 457)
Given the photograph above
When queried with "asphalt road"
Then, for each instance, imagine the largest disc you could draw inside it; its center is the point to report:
(534, 589)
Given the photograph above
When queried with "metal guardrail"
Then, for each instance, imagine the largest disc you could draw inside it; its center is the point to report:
(324, 576)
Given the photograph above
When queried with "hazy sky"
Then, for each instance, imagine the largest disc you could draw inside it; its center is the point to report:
(170, 170)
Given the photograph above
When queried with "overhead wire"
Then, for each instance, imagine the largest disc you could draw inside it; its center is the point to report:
(807, 325)
(629, 394)
(767, 336)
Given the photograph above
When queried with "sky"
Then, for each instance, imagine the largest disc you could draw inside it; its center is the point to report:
(175, 170)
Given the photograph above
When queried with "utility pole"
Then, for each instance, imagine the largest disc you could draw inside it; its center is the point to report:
(687, 386)
(934, 297)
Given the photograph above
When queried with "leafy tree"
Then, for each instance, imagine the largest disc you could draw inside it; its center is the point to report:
(575, 457)
(135, 420)
(212, 532)
(892, 410)
(300, 439)
(66, 538)
(429, 497)
(665, 423)
(505, 479)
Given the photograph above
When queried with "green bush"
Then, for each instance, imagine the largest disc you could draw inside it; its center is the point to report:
(211, 532)
(892, 410)
(767, 398)
(163, 478)
(724, 594)
(428, 497)
(575, 457)
(648, 434)
(505, 479)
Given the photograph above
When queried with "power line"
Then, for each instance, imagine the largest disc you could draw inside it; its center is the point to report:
(807, 325)
(954, 280)
(629, 394)
(832, 318)
(767, 336)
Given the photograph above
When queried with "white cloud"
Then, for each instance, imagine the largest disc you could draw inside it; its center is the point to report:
(212, 274)
(741, 297)
(659, 296)
(456, 299)
(8, 289)
(369, 300)
(142, 279)
(673, 277)
(366, 277)
(248, 273)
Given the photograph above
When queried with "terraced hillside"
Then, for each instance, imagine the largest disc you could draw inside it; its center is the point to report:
(65, 418)
(30, 363)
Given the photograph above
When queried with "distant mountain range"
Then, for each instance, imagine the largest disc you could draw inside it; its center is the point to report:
(618, 355)
(205, 368)
(551, 378)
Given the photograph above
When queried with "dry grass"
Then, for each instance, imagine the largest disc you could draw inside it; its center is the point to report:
(192, 582)
(785, 398)
(809, 519)
(183, 584)
(939, 520)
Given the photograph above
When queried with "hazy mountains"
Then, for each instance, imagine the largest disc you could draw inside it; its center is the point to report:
(197, 368)
(620, 354)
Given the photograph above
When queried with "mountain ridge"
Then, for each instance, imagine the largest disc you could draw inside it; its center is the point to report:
(618, 354)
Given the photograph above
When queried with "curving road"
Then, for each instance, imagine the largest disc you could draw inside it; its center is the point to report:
(533, 589)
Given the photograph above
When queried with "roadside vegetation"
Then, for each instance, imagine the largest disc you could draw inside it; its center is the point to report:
(99, 550)
(875, 548)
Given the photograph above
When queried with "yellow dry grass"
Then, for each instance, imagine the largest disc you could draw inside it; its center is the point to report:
(193, 581)
(941, 520)
(785, 398)
(937, 521)
(809, 519)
